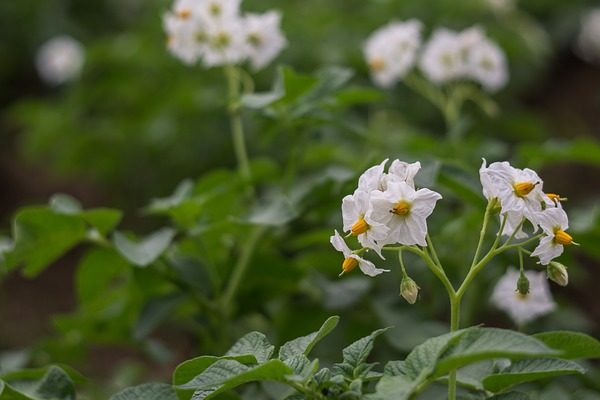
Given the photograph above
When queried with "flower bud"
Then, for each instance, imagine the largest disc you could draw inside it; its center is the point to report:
(409, 290)
(523, 285)
(557, 272)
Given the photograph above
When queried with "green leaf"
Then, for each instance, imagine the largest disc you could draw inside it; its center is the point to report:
(41, 237)
(254, 343)
(155, 311)
(530, 370)
(8, 393)
(303, 345)
(96, 273)
(147, 391)
(394, 368)
(147, 250)
(357, 352)
(302, 367)
(399, 387)
(421, 361)
(261, 100)
(189, 369)
(277, 211)
(511, 396)
(486, 343)
(102, 219)
(65, 204)
(43, 383)
(573, 345)
(227, 374)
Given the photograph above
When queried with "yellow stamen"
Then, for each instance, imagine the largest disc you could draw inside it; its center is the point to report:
(555, 197)
(562, 237)
(522, 189)
(377, 64)
(349, 264)
(401, 208)
(184, 14)
(359, 227)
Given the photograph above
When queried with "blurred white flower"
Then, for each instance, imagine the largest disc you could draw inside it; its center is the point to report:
(404, 211)
(523, 308)
(588, 42)
(214, 31)
(60, 59)
(501, 5)
(391, 51)
(264, 38)
(486, 63)
(554, 222)
(441, 60)
(357, 221)
(352, 260)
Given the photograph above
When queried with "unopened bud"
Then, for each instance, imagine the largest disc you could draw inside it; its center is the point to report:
(523, 285)
(409, 290)
(557, 272)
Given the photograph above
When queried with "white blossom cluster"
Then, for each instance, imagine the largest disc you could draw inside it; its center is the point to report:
(520, 195)
(588, 42)
(386, 208)
(393, 50)
(216, 32)
(523, 308)
(60, 60)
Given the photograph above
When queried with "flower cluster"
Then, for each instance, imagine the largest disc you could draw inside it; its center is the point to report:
(216, 32)
(60, 59)
(393, 50)
(520, 195)
(386, 208)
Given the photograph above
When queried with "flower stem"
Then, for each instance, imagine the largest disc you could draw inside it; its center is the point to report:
(232, 74)
(454, 326)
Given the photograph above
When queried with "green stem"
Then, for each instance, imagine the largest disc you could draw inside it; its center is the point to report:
(239, 271)
(237, 129)
(454, 326)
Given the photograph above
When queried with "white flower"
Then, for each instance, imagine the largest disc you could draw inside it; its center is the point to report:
(519, 191)
(264, 38)
(391, 51)
(486, 63)
(60, 60)
(588, 42)
(216, 10)
(184, 37)
(373, 178)
(401, 171)
(554, 223)
(404, 211)
(352, 260)
(441, 60)
(523, 308)
(226, 42)
(355, 209)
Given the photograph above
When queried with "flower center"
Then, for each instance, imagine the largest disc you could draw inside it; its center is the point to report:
(359, 227)
(401, 208)
(377, 64)
(562, 237)
(215, 9)
(184, 14)
(254, 39)
(349, 264)
(522, 189)
(222, 40)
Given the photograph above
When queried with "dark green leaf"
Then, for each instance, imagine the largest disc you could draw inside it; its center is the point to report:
(147, 391)
(154, 313)
(572, 344)
(303, 345)
(357, 352)
(254, 343)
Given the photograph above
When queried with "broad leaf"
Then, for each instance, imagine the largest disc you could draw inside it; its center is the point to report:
(8, 393)
(486, 343)
(43, 383)
(530, 370)
(254, 343)
(147, 391)
(154, 313)
(357, 352)
(572, 344)
(398, 387)
(189, 369)
(303, 345)
(147, 250)
(511, 396)
(41, 236)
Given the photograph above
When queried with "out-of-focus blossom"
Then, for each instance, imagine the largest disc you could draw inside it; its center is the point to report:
(441, 60)
(523, 308)
(60, 60)
(391, 51)
(264, 38)
(588, 42)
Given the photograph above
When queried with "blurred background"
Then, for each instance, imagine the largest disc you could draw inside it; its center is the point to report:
(136, 122)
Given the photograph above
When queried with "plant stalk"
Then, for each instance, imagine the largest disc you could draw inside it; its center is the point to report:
(237, 129)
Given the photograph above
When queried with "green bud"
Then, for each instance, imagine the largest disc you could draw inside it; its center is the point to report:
(557, 272)
(523, 285)
(409, 290)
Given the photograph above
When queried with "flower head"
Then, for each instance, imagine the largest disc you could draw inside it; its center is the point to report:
(441, 60)
(352, 260)
(60, 59)
(554, 223)
(523, 308)
(391, 51)
(486, 63)
(357, 221)
(404, 211)
(263, 37)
